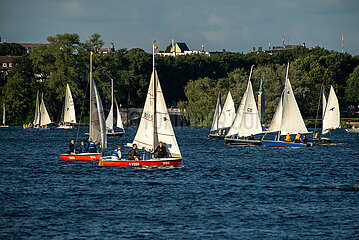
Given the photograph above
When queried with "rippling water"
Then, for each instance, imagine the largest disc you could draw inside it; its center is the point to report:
(218, 192)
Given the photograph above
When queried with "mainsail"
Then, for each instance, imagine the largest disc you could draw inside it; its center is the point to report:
(119, 123)
(37, 110)
(41, 115)
(228, 113)
(217, 113)
(69, 115)
(97, 117)
(331, 118)
(155, 124)
(3, 114)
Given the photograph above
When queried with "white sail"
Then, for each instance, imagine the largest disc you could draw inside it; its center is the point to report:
(287, 117)
(149, 134)
(145, 133)
(234, 130)
(292, 121)
(119, 123)
(109, 120)
(3, 115)
(44, 115)
(69, 108)
(97, 117)
(250, 123)
(228, 113)
(324, 102)
(37, 110)
(331, 119)
(217, 113)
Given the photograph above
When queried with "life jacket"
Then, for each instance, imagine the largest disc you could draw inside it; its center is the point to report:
(115, 152)
(83, 149)
(91, 145)
(287, 138)
(297, 137)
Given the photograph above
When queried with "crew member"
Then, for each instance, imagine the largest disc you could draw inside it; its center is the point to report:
(161, 151)
(117, 152)
(91, 147)
(297, 138)
(304, 139)
(287, 138)
(83, 148)
(133, 155)
(71, 147)
(251, 137)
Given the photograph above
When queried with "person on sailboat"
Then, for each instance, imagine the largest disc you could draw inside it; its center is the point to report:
(133, 155)
(287, 138)
(297, 138)
(71, 147)
(161, 151)
(316, 135)
(82, 148)
(304, 139)
(251, 137)
(117, 153)
(91, 147)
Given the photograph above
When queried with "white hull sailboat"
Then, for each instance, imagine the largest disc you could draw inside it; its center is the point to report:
(3, 118)
(215, 126)
(110, 126)
(247, 122)
(68, 115)
(97, 125)
(287, 119)
(225, 120)
(155, 126)
(42, 117)
(330, 116)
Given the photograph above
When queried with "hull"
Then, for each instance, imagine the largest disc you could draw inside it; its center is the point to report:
(215, 136)
(322, 141)
(64, 127)
(81, 157)
(4, 126)
(157, 162)
(36, 129)
(352, 130)
(230, 141)
(115, 134)
(269, 143)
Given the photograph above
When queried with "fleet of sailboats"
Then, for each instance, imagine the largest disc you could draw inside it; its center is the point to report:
(42, 117)
(110, 126)
(155, 127)
(247, 122)
(287, 119)
(68, 115)
(97, 124)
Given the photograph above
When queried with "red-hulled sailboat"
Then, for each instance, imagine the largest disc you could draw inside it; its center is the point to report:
(155, 126)
(97, 125)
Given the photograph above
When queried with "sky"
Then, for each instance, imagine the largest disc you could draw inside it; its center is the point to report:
(234, 25)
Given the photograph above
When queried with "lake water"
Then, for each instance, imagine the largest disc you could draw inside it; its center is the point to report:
(218, 192)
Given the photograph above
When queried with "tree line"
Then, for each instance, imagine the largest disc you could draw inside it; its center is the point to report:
(191, 82)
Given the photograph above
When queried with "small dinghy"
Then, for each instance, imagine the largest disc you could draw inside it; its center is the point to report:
(68, 115)
(97, 125)
(247, 122)
(110, 126)
(155, 127)
(287, 119)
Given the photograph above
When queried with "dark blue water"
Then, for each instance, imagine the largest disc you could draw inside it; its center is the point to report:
(219, 192)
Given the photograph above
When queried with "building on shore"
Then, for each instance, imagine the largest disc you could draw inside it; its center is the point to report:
(180, 49)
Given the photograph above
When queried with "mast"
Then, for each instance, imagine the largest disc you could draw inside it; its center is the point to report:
(91, 91)
(155, 137)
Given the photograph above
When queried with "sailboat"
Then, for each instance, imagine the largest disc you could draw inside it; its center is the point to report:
(287, 119)
(3, 117)
(247, 122)
(214, 128)
(109, 121)
(42, 118)
(155, 126)
(68, 115)
(225, 119)
(330, 116)
(97, 124)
